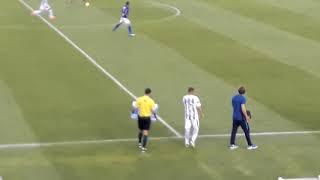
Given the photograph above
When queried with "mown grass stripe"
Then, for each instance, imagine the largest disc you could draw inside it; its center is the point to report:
(310, 8)
(269, 82)
(281, 18)
(282, 46)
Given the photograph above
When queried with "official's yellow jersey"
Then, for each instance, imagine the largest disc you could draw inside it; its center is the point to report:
(145, 105)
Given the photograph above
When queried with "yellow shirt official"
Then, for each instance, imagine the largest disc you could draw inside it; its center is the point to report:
(145, 105)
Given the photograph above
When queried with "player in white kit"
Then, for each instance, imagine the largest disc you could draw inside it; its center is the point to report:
(192, 113)
(44, 7)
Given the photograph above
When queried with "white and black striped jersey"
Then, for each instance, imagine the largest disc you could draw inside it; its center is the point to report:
(44, 2)
(191, 103)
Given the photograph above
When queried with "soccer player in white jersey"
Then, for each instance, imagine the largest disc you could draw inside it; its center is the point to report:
(124, 19)
(44, 7)
(192, 113)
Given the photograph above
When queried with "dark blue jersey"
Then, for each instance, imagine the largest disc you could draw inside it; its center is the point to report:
(125, 11)
(237, 101)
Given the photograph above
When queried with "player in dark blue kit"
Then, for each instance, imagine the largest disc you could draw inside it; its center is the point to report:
(125, 19)
(241, 117)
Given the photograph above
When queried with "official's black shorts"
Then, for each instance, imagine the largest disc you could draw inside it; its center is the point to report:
(144, 123)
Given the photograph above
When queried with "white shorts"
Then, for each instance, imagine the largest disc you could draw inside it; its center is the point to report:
(192, 123)
(125, 21)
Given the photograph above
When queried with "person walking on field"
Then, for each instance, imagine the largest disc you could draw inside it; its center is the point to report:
(146, 109)
(192, 114)
(241, 117)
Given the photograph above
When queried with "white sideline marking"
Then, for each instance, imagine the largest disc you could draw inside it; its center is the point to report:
(94, 62)
(306, 178)
(265, 134)
(36, 145)
(105, 141)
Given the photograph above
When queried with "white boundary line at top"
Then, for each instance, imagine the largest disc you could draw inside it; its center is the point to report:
(98, 66)
(106, 141)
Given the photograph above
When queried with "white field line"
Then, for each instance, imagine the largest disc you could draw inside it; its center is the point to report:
(306, 178)
(302, 179)
(98, 66)
(167, 18)
(178, 11)
(106, 141)
(265, 134)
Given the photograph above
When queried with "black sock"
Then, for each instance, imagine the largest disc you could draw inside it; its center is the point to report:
(145, 139)
(140, 137)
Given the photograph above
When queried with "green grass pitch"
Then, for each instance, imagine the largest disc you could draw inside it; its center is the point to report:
(49, 92)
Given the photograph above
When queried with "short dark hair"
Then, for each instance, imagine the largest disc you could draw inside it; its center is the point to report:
(127, 2)
(190, 89)
(147, 91)
(242, 90)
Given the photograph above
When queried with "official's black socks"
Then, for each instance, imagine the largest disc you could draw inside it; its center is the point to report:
(145, 140)
(140, 137)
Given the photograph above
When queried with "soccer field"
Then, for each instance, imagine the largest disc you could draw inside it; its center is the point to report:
(66, 88)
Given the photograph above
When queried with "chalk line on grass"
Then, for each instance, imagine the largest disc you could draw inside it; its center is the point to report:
(97, 65)
(106, 141)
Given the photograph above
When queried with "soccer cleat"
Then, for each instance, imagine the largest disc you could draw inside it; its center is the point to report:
(252, 147)
(140, 146)
(132, 35)
(143, 149)
(193, 145)
(187, 145)
(233, 147)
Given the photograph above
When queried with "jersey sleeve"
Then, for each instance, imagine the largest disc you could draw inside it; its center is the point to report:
(198, 103)
(152, 104)
(243, 100)
(123, 12)
(138, 102)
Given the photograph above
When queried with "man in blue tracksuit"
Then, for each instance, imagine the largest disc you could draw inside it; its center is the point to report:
(240, 118)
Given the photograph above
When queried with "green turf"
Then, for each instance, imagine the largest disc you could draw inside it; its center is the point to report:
(290, 21)
(209, 161)
(50, 93)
